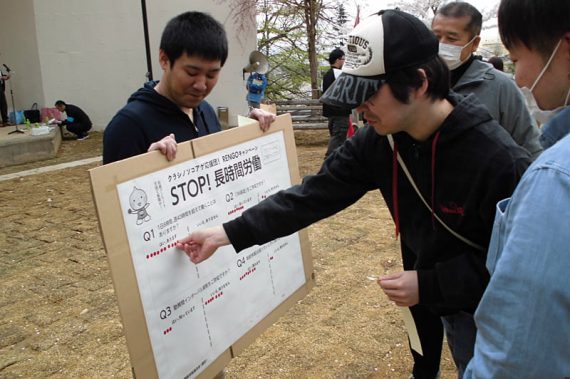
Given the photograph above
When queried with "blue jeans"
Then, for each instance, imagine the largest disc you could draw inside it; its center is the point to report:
(460, 331)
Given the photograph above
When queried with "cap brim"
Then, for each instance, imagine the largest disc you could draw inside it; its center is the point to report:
(350, 91)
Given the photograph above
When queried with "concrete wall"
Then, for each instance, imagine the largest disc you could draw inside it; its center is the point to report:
(19, 51)
(92, 54)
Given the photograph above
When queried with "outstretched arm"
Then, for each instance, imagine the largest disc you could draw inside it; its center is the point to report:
(203, 243)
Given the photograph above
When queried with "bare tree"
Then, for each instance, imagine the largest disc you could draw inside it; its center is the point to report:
(426, 9)
(422, 9)
(289, 32)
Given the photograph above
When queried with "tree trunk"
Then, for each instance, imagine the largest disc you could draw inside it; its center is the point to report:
(311, 13)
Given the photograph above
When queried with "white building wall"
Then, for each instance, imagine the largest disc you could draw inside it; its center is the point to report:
(19, 51)
(92, 53)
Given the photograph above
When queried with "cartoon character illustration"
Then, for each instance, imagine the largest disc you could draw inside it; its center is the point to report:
(139, 204)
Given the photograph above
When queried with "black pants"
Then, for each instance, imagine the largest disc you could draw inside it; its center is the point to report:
(338, 126)
(3, 106)
(78, 128)
(430, 331)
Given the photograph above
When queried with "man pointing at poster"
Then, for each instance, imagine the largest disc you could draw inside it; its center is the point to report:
(461, 161)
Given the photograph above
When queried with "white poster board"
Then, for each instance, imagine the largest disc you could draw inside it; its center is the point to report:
(194, 313)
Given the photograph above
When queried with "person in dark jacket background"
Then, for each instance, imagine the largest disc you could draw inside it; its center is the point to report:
(3, 103)
(338, 118)
(460, 160)
(77, 121)
(193, 49)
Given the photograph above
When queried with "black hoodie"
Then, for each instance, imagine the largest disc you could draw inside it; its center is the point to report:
(147, 118)
(472, 164)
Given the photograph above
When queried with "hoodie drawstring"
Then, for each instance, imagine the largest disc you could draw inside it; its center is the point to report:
(395, 182)
(395, 187)
(433, 149)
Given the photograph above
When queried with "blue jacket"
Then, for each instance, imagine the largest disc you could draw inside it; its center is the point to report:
(148, 117)
(256, 84)
(555, 129)
(523, 319)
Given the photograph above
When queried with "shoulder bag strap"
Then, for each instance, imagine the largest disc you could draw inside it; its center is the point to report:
(405, 169)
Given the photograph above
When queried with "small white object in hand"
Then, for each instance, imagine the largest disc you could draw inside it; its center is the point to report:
(373, 278)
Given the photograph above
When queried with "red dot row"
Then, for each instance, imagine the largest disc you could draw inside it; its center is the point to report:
(213, 298)
(235, 210)
(161, 250)
(168, 330)
(248, 273)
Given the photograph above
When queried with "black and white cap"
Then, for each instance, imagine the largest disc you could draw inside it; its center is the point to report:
(386, 42)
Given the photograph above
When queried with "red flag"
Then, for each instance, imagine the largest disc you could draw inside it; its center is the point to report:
(357, 19)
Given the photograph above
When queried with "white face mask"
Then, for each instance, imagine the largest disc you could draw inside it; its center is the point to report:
(542, 116)
(451, 54)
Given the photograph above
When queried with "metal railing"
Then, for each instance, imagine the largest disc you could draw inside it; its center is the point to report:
(306, 114)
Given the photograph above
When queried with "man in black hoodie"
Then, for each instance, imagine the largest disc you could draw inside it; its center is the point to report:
(440, 161)
(193, 49)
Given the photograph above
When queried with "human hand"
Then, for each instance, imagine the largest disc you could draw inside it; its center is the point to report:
(265, 118)
(401, 288)
(203, 243)
(166, 146)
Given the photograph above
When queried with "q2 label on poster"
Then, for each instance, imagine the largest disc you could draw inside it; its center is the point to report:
(195, 312)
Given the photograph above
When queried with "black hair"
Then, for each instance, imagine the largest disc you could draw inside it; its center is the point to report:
(460, 9)
(194, 33)
(404, 81)
(497, 62)
(537, 24)
(334, 55)
(60, 102)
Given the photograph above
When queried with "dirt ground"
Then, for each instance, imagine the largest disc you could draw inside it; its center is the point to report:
(59, 316)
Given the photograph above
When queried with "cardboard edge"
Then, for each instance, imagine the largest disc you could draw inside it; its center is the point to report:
(124, 284)
(216, 366)
(211, 143)
(104, 181)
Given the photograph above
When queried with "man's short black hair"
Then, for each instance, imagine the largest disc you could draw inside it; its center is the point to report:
(460, 9)
(60, 102)
(497, 62)
(537, 24)
(403, 82)
(196, 34)
(334, 55)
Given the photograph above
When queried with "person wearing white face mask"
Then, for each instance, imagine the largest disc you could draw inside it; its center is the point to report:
(523, 319)
(457, 26)
(552, 131)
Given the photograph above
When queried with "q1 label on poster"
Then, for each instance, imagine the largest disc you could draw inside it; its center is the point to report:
(195, 312)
